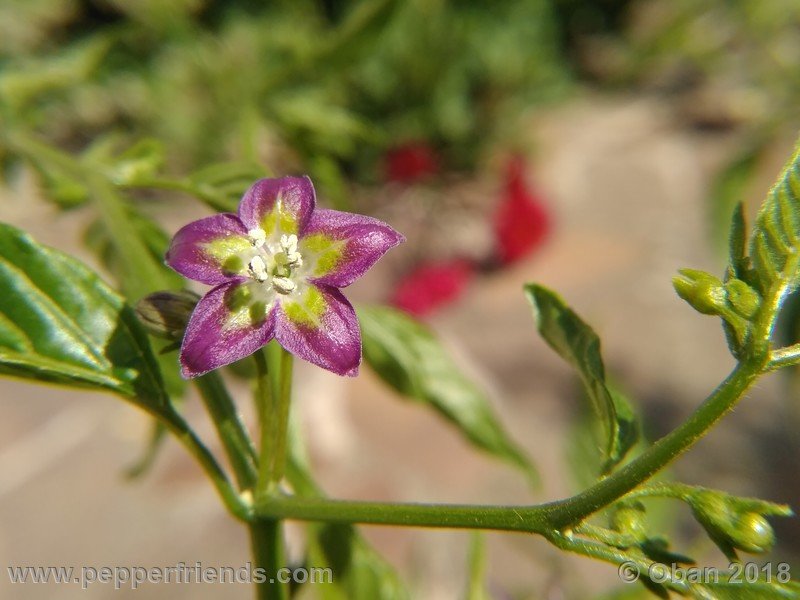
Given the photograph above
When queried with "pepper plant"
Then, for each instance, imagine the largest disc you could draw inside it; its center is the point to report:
(276, 267)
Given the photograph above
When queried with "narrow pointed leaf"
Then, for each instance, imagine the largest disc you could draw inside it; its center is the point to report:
(745, 590)
(737, 244)
(576, 342)
(409, 358)
(60, 323)
(774, 247)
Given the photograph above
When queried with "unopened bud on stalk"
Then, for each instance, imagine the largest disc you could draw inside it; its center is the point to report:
(732, 526)
(630, 519)
(744, 299)
(165, 314)
(704, 292)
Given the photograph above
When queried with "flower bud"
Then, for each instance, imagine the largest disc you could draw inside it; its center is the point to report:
(631, 520)
(753, 533)
(704, 292)
(165, 314)
(730, 526)
(66, 191)
(744, 299)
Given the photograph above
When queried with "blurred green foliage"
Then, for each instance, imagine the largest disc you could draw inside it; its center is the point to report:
(324, 85)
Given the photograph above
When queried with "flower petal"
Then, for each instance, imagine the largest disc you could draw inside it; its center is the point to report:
(224, 328)
(340, 246)
(207, 250)
(319, 325)
(281, 205)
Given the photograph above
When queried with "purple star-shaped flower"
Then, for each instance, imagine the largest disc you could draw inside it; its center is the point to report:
(277, 267)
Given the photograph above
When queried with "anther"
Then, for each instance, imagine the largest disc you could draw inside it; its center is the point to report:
(257, 237)
(284, 285)
(258, 269)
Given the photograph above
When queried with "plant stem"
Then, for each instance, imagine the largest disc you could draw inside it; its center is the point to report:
(664, 451)
(785, 357)
(282, 417)
(543, 518)
(196, 448)
(273, 395)
(265, 406)
(534, 519)
(267, 548)
(238, 445)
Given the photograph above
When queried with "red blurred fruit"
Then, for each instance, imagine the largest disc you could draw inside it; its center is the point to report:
(432, 285)
(521, 222)
(410, 162)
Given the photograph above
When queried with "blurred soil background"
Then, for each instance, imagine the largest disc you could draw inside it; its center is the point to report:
(630, 157)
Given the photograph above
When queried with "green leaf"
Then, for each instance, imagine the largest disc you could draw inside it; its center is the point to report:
(135, 247)
(222, 185)
(100, 241)
(60, 323)
(578, 344)
(774, 246)
(582, 457)
(409, 358)
(744, 590)
(737, 244)
(21, 83)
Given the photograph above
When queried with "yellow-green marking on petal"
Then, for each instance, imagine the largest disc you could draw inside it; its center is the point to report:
(225, 250)
(309, 310)
(279, 218)
(326, 251)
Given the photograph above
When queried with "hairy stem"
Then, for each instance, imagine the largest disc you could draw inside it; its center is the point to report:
(542, 518)
(660, 454)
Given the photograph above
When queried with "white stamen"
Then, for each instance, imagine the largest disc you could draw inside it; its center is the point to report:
(289, 243)
(289, 247)
(258, 269)
(257, 237)
(284, 285)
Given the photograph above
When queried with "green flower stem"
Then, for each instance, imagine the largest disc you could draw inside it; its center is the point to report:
(273, 394)
(273, 398)
(544, 518)
(282, 417)
(265, 407)
(238, 445)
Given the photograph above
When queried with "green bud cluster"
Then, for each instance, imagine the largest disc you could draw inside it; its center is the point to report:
(733, 300)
